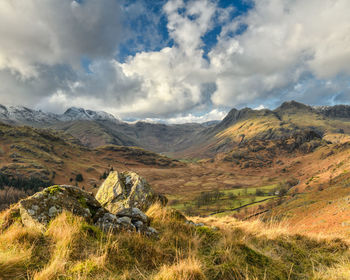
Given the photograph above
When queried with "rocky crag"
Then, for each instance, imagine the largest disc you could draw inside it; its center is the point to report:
(116, 206)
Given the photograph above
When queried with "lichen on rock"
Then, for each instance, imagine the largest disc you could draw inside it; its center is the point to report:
(39, 209)
(127, 190)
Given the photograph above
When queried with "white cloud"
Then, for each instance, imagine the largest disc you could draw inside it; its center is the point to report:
(283, 41)
(260, 107)
(213, 115)
(149, 84)
(172, 79)
(187, 28)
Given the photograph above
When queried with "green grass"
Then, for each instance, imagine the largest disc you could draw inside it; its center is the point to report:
(242, 198)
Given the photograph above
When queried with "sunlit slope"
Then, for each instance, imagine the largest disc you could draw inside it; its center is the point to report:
(288, 119)
(320, 202)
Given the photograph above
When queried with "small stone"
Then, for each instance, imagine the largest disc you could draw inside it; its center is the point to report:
(110, 216)
(199, 225)
(133, 213)
(124, 220)
(151, 231)
(138, 224)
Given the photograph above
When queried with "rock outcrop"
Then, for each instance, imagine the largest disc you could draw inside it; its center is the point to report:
(127, 190)
(39, 209)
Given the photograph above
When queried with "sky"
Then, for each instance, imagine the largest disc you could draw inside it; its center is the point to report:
(173, 60)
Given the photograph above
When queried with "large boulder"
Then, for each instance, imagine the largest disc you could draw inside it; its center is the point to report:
(39, 209)
(127, 190)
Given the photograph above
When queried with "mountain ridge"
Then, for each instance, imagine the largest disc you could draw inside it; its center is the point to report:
(94, 128)
(24, 115)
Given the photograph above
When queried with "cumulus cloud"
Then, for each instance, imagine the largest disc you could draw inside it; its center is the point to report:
(173, 79)
(284, 41)
(149, 84)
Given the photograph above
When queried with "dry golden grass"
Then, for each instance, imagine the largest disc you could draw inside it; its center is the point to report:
(187, 269)
(16, 249)
(13, 262)
(340, 271)
(270, 229)
(64, 232)
(72, 249)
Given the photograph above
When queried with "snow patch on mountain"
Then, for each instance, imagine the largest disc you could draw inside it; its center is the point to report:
(24, 115)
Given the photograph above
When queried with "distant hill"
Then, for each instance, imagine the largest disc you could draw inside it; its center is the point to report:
(94, 129)
(57, 157)
(241, 126)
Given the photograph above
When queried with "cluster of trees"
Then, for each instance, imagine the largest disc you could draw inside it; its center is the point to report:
(283, 187)
(10, 195)
(12, 188)
(209, 197)
(23, 183)
(79, 178)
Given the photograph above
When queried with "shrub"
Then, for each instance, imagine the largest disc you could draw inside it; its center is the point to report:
(259, 193)
(79, 178)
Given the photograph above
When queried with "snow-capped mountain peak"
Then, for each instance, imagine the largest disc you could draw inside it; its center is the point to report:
(24, 115)
(74, 113)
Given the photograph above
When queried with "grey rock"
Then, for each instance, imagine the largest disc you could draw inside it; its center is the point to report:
(124, 220)
(151, 231)
(133, 213)
(127, 190)
(111, 223)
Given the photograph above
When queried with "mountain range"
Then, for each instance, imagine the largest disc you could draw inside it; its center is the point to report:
(96, 128)
(24, 115)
